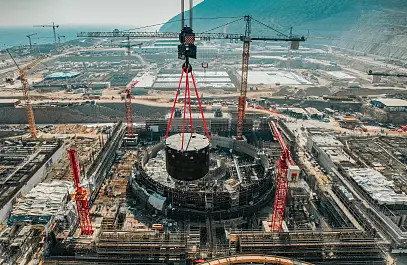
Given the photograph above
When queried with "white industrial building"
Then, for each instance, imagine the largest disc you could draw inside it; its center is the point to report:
(377, 186)
(328, 151)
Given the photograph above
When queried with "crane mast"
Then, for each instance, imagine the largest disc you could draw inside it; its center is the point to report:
(54, 27)
(286, 171)
(129, 111)
(243, 83)
(80, 196)
(26, 91)
(29, 39)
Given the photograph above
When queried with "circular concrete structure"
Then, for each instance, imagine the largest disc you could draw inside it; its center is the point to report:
(223, 193)
(190, 162)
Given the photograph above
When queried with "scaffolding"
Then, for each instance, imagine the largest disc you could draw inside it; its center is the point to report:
(339, 247)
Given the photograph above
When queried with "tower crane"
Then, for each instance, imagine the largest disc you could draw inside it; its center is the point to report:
(26, 90)
(29, 38)
(54, 27)
(287, 171)
(59, 38)
(187, 33)
(80, 196)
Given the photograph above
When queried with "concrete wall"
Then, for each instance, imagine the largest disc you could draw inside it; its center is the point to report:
(223, 142)
(34, 180)
(245, 148)
(324, 160)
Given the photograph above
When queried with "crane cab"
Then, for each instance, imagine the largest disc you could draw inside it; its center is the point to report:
(293, 173)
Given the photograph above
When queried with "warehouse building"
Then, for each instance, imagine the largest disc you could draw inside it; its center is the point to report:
(390, 104)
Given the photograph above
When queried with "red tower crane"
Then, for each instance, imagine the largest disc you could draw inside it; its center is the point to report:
(287, 171)
(129, 111)
(80, 196)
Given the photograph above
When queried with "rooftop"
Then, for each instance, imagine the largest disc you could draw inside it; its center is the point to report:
(392, 102)
(326, 140)
(340, 75)
(59, 75)
(9, 101)
(377, 185)
(337, 155)
(42, 202)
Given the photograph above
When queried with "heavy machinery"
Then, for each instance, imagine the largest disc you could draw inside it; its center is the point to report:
(80, 196)
(189, 51)
(29, 39)
(26, 90)
(54, 27)
(287, 171)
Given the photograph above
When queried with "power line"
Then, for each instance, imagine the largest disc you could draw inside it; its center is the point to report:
(179, 20)
(267, 26)
(241, 18)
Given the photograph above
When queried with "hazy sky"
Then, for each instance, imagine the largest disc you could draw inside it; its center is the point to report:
(88, 12)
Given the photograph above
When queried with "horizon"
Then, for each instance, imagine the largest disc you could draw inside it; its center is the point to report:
(133, 13)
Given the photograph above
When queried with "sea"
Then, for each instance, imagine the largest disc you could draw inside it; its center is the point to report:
(17, 36)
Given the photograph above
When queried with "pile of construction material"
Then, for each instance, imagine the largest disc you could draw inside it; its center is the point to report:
(41, 203)
(74, 129)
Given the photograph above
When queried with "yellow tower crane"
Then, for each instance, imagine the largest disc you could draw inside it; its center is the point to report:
(26, 91)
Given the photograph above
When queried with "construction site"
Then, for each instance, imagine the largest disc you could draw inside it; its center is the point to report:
(173, 165)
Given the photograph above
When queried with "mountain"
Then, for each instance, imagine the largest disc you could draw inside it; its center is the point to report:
(329, 16)
(360, 21)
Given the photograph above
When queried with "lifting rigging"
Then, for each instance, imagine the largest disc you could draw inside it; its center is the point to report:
(26, 91)
(189, 34)
(186, 50)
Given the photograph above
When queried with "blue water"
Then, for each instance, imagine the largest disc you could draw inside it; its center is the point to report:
(16, 36)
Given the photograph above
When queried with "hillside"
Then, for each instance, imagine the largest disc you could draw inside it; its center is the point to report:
(376, 20)
(280, 14)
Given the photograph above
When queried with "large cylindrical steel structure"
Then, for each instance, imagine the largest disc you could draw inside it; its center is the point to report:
(192, 162)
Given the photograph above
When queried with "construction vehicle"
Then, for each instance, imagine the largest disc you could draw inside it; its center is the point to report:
(26, 91)
(287, 171)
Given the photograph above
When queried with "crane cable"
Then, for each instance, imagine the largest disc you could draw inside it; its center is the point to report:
(179, 20)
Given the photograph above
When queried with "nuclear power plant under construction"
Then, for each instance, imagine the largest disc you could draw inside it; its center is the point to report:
(280, 154)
